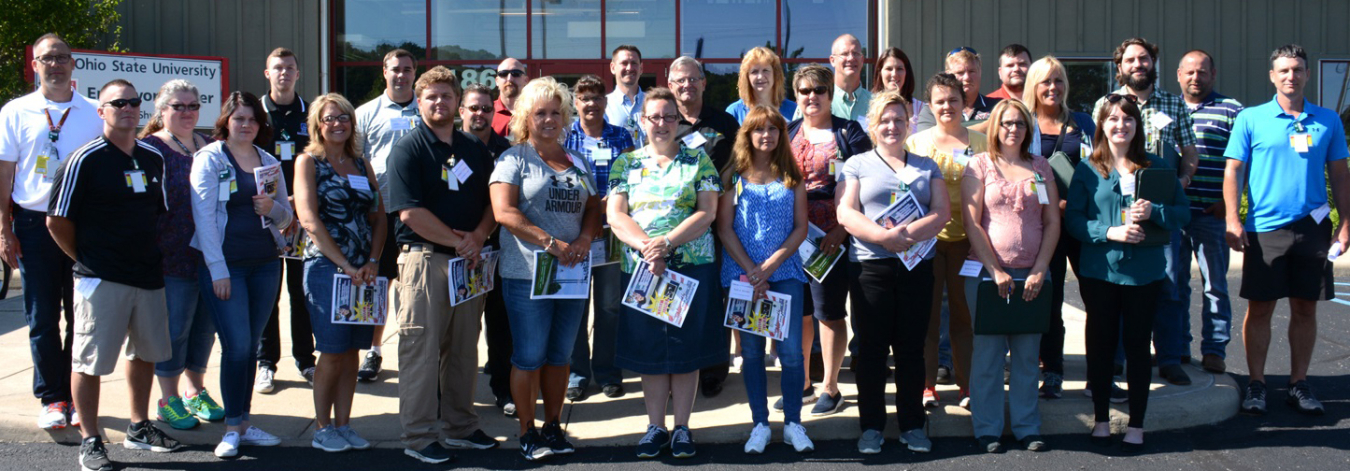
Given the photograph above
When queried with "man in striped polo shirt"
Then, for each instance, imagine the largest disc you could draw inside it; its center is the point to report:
(1213, 116)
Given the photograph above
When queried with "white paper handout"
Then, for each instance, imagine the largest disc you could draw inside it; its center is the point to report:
(905, 210)
(268, 177)
(666, 297)
(766, 317)
(553, 280)
(365, 304)
(468, 283)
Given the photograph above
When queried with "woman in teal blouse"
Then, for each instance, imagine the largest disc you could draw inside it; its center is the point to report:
(1120, 279)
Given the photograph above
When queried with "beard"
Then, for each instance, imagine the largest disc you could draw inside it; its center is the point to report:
(478, 124)
(1135, 83)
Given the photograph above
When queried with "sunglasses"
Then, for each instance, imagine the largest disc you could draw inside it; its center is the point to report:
(180, 107)
(1116, 97)
(820, 90)
(479, 108)
(123, 102)
(963, 48)
(513, 73)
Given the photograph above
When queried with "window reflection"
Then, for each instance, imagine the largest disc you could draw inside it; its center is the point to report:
(477, 29)
(810, 26)
(566, 29)
(647, 24)
(1089, 80)
(370, 28)
(722, 29)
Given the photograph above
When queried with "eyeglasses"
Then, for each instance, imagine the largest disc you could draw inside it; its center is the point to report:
(480, 108)
(820, 90)
(1012, 125)
(62, 59)
(180, 107)
(686, 80)
(513, 73)
(123, 102)
(848, 54)
(963, 48)
(342, 118)
(658, 119)
(1116, 97)
(590, 99)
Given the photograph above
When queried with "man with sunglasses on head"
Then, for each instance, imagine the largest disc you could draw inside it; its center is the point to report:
(850, 97)
(511, 79)
(379, 124)
(38, 131)
(714, 131)
(1169, 132)
(624, 105)
(288, 113)
(964, 63)
(105, 201)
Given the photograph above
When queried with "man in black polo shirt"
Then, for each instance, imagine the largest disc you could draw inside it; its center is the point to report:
(288, 113)
(476, 111)
(106, 199)
(438, 185)
(714, 131)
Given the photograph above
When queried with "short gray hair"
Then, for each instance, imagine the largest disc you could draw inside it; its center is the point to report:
(686, 61)
(171, 88)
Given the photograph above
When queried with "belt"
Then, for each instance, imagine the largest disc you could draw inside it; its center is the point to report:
(414, 248)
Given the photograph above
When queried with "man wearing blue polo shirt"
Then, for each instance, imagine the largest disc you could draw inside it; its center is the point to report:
(1280, 149)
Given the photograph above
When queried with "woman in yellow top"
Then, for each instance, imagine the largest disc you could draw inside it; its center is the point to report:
(952, 146)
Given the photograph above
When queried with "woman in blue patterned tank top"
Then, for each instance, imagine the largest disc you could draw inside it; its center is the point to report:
(761, 221)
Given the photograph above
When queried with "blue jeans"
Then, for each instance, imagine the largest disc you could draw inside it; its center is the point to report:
(239, 322)
(597, 362)
(329, 337)
(48, 285)
(542, 330)
(789, 352)
(1203, 237)
(192, 333)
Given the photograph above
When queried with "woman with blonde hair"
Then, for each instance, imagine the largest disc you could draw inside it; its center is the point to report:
(337, 201)
(544, 199)
(762, 222)
(761, 83)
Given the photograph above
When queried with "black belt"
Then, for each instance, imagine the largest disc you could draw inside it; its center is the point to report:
(413, 248)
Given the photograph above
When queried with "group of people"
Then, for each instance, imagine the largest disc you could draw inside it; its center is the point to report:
(158, 242)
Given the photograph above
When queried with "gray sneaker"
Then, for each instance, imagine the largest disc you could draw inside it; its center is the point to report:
(328, 439)
(1254, 401)
(1302, 399)
(870, 442)
(916, 440)
(352, 438)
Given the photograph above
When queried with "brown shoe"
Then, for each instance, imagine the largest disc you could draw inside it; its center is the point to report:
(1214, 364)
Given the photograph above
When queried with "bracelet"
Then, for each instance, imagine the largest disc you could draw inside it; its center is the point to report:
(551, 242)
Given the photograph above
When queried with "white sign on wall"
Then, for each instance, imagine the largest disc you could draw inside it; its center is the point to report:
(149, 72)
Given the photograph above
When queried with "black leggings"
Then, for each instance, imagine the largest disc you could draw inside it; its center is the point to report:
(1119, 314)
(890, 311)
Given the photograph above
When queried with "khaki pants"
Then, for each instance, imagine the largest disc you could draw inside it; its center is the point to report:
(947, 261)
(437, 352)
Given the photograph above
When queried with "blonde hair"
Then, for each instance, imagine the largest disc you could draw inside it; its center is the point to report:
(166, 92)
(760, 56)
(996, 126)
(781, 164)
(879, 104)
(537, 92)
(963, 56)
(316, 143)
(1039, 71)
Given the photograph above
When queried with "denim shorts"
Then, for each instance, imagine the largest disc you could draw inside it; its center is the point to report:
(330, 337)
(543, 331)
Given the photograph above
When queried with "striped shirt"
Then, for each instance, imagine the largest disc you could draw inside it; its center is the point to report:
(1213, 119)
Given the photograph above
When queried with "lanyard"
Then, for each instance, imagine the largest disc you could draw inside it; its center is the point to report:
(180, 144)
(54, 130)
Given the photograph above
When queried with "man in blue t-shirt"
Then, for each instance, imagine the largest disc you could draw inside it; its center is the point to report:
(1280, 149)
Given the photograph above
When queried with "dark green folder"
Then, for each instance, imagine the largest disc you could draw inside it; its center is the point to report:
(1157, 185)
(995, 315)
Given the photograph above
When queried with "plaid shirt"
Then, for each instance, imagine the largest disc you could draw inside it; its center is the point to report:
(614, 138)
(1214, 118)
(1177, 134)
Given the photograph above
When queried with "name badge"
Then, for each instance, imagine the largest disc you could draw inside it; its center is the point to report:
(451, 183)
(400, 124)
(961, 156)
(1321, 213)
(694, 140)
(358, 182)
(1159, 120)
(135, 180)
(461, 171)
(971, 268)
(907, 175)
(1041, 193)
(286, 150)
(1300, 142)
(834, 166)
(635, 176)
(227, 186)
(1127, 185)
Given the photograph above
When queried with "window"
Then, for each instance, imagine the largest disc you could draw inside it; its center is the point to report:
(1335, 94)
(725, 29)
(477, 29)
(647, 24)
(1089, 80)
(811, 26)
(565, 29)
(370, 28)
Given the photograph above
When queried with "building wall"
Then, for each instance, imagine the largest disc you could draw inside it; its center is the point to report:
(1239, 34)
(243, 31)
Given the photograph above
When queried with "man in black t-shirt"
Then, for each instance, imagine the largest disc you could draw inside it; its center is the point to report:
(288, 113)
(106, 200)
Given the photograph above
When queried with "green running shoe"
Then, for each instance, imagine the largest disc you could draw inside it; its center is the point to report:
(204, 407)
(173, 413)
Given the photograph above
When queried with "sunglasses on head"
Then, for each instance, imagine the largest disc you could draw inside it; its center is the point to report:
(123, 102)
(819, 90)
(1116, 97)
(513, 73)
(963, 48)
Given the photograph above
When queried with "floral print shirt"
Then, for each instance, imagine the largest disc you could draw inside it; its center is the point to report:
(659, 199)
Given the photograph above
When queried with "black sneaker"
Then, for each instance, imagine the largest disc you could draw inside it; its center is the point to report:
(556, 439)
(613, 390)
(1254, 400)
(1174, 374)
(682, 442)
(308, 374)
(433, 453)
(144, 436)
(1118, 395)
(93, 456)
(1052, 385)
(651, 444)
(944, 375)
(576, 394)
(1301, 399)
(475, 441)
(533, 446)
(370, 368)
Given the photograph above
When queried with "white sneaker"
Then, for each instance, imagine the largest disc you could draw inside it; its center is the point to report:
(759, 438)
(254, 436)
(264, 382)
(795, 434)
(965, 403)
(737, 361)
(229, 445)
(52, 416)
